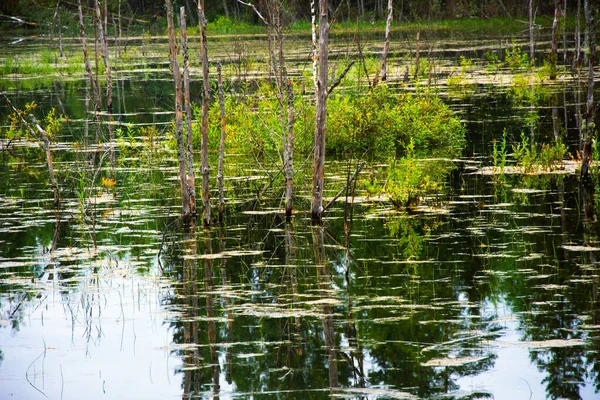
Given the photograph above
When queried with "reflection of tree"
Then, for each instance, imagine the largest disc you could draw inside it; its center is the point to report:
(191, 356)
(549, 302)
(326, 310)
(210, 314)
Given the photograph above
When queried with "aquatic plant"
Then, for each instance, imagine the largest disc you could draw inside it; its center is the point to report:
(499, 154)
(515, 58)
(530, 158)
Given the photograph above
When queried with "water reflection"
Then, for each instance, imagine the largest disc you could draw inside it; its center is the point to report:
(492, 291)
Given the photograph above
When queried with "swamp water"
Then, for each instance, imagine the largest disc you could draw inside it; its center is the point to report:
(489, 290)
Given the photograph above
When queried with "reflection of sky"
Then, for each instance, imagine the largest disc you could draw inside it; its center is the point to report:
(513, 376)
(126, 357)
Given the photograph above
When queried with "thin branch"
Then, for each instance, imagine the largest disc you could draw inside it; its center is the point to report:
(255, 10)
(358, 169)
(340, 78)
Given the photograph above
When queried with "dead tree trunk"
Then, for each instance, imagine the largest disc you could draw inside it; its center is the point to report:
(178, 112)
(226, 9)
(204, 126)
(417, 58)
(588, 132)
(564, 31)
(221, 142)
(577, 55)
(88, 69)
(105, 57)
(289, 152)
(386, 46)
(314, 44)
(554, 51)
(531, 49)
(86, 60)
(60, 46)
(53, 22)
(191, 177)
(321, 115)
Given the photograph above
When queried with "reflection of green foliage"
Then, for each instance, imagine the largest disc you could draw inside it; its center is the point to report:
(409, 178)
(409, 239)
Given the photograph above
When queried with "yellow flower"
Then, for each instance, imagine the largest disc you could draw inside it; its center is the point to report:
(108, 182)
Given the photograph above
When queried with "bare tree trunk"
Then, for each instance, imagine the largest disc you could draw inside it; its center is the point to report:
(105, 57)
(178, 112)
(88, 69)
(191, 177)
(590, 27)
(531, 49)
(289, 152)
(221, 142)
(120, 40)
(554, 51)
(226, 9)
(577, 54)
(417, 60)
(190, 11)
(314, 44)
(564, 31)
(96, 53)
(116, 41)
(285, 95)
(386, 46)
(106, 17)
(60, 46)
(321, 115)
(504, 8)
(204, 126)
(53, 21)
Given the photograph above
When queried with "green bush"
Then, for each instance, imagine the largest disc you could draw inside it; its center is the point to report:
(380, 124)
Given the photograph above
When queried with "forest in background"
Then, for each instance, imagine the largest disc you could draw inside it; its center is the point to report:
(152, 11)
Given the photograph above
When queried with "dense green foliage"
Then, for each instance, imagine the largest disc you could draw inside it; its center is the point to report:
(150, 13)
(376, 125)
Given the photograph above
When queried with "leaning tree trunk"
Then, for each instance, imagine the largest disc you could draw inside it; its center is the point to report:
(321, 115)
(204, 126)
(588, 131)
(178, 112)
(191, 177)
(386, 46)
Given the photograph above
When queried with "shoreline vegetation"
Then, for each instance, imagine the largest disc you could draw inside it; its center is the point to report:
(403, 121)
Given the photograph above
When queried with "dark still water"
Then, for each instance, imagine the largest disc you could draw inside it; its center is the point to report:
(489, 290)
